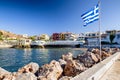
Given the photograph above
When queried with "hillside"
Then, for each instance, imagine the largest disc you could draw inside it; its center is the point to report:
(9, 35)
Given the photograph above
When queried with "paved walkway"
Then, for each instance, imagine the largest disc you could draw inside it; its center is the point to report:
(113, 73)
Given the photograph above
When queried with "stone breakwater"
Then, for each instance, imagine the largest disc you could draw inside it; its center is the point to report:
(65, 69)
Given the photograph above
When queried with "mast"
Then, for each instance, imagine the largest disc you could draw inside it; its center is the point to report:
(99, 23)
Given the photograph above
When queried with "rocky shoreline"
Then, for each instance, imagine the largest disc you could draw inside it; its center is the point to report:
(65, 69)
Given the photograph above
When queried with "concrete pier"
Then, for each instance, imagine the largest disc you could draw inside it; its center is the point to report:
(113, 73)
(98, 70)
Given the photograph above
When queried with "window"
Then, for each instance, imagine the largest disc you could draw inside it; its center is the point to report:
(93, 34)
(27, 40)
(118, 36)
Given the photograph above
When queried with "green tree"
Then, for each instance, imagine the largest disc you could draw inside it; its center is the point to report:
(1, 36)
(1, 33)
(112, 36)
(33, 38)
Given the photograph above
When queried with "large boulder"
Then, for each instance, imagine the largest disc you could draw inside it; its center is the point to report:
(5, 75)
(97, 53)
(88, 59)
(50, 71)
(67, 57)
(73, 68)
(107, 50)
(104, 54)
(62, 63)
(94, 58)
(31, 67)
(114, 50)
(98, 57)
(26, 76)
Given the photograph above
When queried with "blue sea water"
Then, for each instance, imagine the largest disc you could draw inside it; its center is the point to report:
(12, 59)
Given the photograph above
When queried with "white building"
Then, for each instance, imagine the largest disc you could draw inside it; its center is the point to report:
(92, 34)
(94, 39)
(24, 42)
(70, 36)
(93, 42)
(105, 38)
(117, 38)
(44, 37)
(81, 37)
(25, 35)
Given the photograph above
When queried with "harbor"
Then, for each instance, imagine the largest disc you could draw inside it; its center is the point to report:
(74, 56)
(59, 40)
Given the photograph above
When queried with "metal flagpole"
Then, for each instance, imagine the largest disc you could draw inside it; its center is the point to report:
(99, 22)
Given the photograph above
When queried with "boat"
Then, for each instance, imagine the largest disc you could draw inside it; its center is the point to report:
(37, 43)
(55, 44)
(66, 43)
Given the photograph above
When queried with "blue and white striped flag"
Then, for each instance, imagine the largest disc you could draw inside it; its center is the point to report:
(91, 16)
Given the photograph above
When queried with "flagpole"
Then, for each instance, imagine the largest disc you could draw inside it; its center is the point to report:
(99, 22)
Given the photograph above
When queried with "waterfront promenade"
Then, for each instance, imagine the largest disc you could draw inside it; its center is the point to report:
(113, 73)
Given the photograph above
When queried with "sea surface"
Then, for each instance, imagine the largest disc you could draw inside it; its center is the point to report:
(12, 59)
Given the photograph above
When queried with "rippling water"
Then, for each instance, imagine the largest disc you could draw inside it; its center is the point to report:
(12, 59)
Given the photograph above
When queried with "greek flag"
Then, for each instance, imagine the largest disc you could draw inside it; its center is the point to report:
(91, 16)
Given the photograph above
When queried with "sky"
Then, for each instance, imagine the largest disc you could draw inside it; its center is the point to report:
(35, 17)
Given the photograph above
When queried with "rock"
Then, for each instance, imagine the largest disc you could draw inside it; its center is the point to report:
(88, 62)
(50, 71)
(106, 52)
(31, 67)
(5, 75)
(88, 59)
(67, 57)
(109, 51)
(26, 76)
(62, 63)
(98, 57)
(80, 58)
(94, 58)
(65, 78)
(95, 51)
(90, 49)
(104, 55)
(73, 68)
(42, 78)
(114, 50)
(117, 49)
